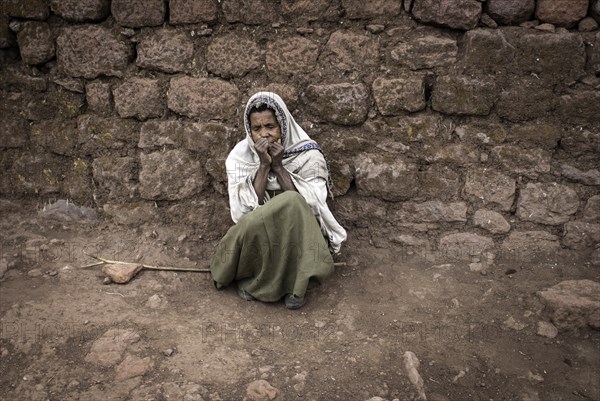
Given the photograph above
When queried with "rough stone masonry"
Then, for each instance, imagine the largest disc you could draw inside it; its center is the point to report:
(469, 127)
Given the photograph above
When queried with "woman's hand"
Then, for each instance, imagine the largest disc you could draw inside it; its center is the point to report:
(262, 147)
(276, 152)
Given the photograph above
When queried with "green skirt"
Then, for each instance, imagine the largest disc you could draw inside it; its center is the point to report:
(276, 249)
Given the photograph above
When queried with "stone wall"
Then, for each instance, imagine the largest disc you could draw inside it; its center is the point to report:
(465, 127)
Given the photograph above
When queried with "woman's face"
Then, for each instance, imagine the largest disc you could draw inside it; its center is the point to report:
(263, 124)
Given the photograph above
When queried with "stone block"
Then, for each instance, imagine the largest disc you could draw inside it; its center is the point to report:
(141, 98)
(490, 187)
(192, 12)
(491, 221)
(486, 50)
(552, 57)
(57, 136)
(565, 13)
(538, 134)
(138, 13)
(457, 153)
(394, 96)
(98, 134)
(36, 44)
(165, 50)
(525, 100)
(573, 304)
(209, 98)
(7, 38)
(344, 103)
(14, 130)
(309, 10)
(99, 97)
(510, 12)
(357, 9)
(78, 184)
(288, 93)
(580, 107)
(488, 133)
(463, 95)
(90, 50)
(581, 234)
(251, 12)
(292, 55)
(466, 246)
(581, 142)
(425, 51)
(547, 203)
(457, 14)
(115, 175)
(233, 56)
(591, 212)
(30, 9)
(589, 177)
(529, 162)
(418, 128)
(81, 10)
(430, 212)
(351, 51)
(56, 103)
(170, 175)
(37, 174)
(529, 246)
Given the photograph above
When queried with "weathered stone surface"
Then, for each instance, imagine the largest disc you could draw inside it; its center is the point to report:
(344, 104)
(589, 177)
(203, 97)
(594, 10)
(90, 50)
(488, 133)
(561, 13)
(77, 184)
(99, 97)
(510, 12)
(588, 24)
(418, 128)
(138, 13)
(592, 209)
(166, 50)
(552, 57)
(7, 38)
(465, 246)
(491, 221)
(581, 234)
(251, 12)
(525, 100)
(70, 84)
(19, 79)
(527, 246)
(528, 162)
(579, 142)
(141, 98)
(457, 153)
(457, 14)
(425, 51)
(260, 390)
(121, 273)
(356, 9)
(580, 107)
(35, 42)
(14, 130)
(109, 349)
(233, 56)
(593, 61)
(396, 95)
(81, 10)
(491, 187)
(351, 51)
(463, 95)
(309, 10)
(288, 93)
(117, 175)
(573, 304)
(547, 203)
(486, 50)
(430, 212)
(170, 175)
(293, 55)
(192, 12)
(56, 136)
(30, 9)
(35, 174)
(535, 134)
(547, 329)
(98, 134)
(132, 366)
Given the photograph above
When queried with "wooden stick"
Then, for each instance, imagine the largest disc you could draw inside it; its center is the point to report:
(149, 267)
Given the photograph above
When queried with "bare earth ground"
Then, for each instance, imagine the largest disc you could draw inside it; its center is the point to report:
(347, 343)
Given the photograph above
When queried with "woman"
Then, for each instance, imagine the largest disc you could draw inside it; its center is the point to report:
(278, 183)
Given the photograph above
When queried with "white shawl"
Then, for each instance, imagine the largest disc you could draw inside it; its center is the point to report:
(302, 159)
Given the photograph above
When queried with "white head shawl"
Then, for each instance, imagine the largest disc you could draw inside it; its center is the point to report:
(302, 159)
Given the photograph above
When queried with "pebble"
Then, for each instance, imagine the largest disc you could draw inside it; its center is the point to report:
(547, 329)
(34, 273)
(375, 28)
(260, 390)
(545, 27)
(588, 24)
(535, 377)
(168, 352)
(155, 301)
(304, 31)
(511, 323)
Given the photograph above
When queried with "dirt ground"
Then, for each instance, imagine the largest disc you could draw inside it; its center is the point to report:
(347, 343)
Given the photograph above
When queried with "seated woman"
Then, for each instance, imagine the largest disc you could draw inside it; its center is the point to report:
(278, 181)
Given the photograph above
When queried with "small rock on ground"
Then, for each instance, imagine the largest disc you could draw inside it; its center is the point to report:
(260, 390)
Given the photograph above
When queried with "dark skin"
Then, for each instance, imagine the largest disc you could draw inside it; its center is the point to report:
(266, 134)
